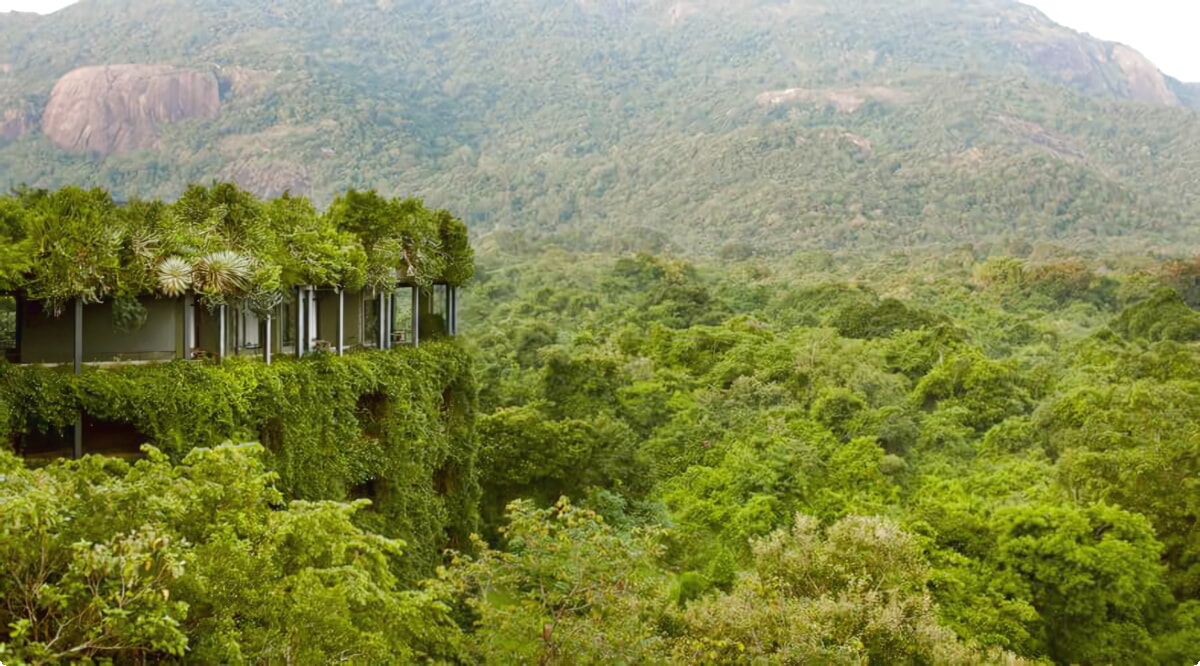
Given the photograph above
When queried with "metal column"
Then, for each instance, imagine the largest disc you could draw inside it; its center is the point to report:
(78, 336)
(301, 320)
(382, 317)
(389, 320)
(416, 316)
(20, 336)
(313, 320)
(78, 449)
(221, 341)
(189, 325)
(268, 343)
(341, 322)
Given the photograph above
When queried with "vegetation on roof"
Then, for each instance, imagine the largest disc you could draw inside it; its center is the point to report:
(220, 242)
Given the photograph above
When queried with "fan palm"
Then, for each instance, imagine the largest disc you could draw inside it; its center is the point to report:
(174, 276)
(222, 272)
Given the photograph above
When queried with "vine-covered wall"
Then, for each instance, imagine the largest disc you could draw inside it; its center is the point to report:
(394, 426)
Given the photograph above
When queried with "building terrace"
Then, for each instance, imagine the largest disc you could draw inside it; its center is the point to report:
(219, 273)
(307, 319)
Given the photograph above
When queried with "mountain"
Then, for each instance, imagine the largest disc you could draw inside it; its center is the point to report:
(706, 125)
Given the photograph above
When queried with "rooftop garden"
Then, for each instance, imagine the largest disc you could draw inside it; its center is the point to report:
(220, 242)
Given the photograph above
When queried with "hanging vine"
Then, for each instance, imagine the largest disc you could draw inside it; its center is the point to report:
(416, 450)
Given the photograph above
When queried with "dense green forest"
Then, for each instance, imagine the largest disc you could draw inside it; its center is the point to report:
(795, 331)
(915, 457)
(1011, 440)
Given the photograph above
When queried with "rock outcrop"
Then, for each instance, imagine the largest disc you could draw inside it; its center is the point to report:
(268, 176)
(13, 123)
(120, 108)
(847, 100)
(1146, 82)
(1098, 67)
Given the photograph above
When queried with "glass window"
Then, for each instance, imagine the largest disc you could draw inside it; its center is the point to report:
(288, 322)
(370, 321)
(435, 308)
(8, 328)
(112, 438)
(251, 330)
(402, 316)
(42, 448)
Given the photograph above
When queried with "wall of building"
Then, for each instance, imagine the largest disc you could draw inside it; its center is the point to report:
(327, 316)
(208, 330)
(49, 339)
(354, 319)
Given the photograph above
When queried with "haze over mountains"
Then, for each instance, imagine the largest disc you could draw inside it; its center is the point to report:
(736, 125)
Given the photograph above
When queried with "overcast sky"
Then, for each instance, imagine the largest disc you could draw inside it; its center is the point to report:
(1164, 30)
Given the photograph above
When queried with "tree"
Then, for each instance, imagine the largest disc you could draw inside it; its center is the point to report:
(990, 391)
(101, 559)
(1164, 316)
(568, 589)
(1093, 574)
(853, 593)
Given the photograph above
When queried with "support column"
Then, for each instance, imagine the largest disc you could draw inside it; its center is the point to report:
(312, 319)
(341, 322)
(78, 336)
(78, 444)
(189, 325)
(382, 315)
(221, 341)
(301, 320)
(360, 318)
(389, 319)
(20, 336)
(452, 309)
(268, 342)
(416, 316)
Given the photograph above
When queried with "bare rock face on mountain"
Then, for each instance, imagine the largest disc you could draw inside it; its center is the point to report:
(1145, 81)
(847, 100)
(119, 108)
(268, 177)
(13, 123)
(1091, 65)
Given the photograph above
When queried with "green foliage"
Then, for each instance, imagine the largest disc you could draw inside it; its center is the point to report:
(1006, 478)
(1093, 574)
(854, 593)
(837, 409)
(531, 454)
(987, 410)
(219, 242)
(1133, 444)
(988, 391)
(568, 589)
(1164, 316)
(881, 320)
(417, 451)
(584, 124)
(104, 560)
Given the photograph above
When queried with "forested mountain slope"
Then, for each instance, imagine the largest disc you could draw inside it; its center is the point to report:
(745, 125)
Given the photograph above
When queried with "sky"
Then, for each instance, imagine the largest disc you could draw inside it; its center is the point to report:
(1163, 30)
(40, 6)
